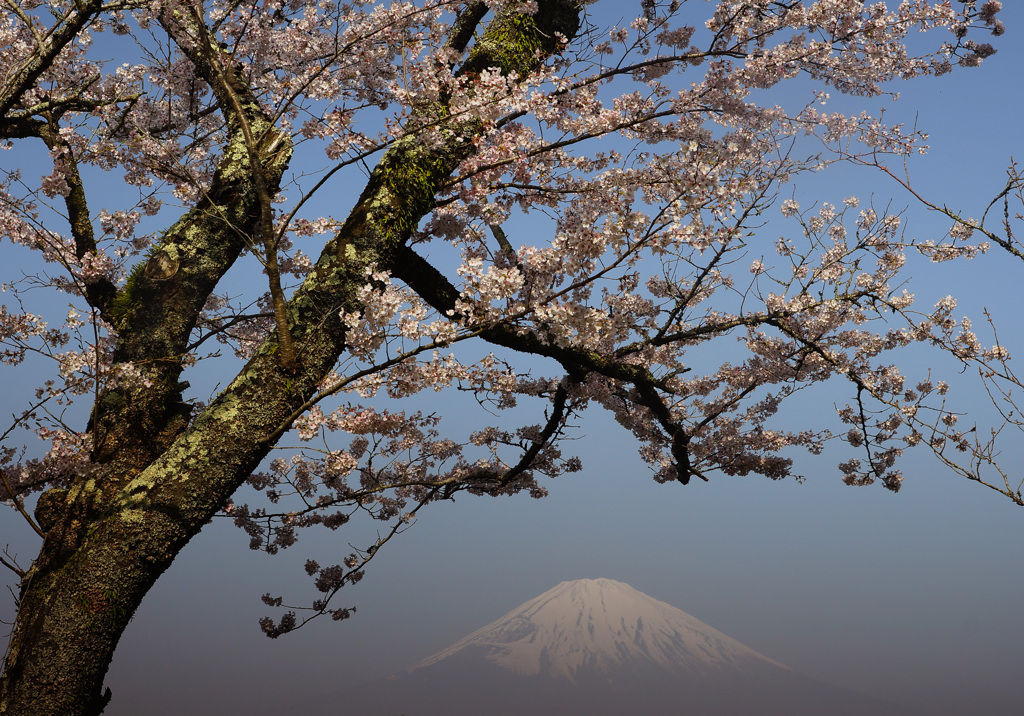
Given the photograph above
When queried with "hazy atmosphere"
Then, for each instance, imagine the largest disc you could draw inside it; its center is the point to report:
(914, 597)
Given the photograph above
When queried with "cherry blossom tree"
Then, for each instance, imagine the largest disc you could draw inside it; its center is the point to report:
(343, 208)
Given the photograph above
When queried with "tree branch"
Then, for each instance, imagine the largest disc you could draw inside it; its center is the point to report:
(23, 78)
(98, 292)
(227, 81)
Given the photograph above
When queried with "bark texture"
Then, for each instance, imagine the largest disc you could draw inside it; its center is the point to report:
(110, 535)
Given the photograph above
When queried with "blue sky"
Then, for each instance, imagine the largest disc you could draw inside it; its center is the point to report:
(915, 596)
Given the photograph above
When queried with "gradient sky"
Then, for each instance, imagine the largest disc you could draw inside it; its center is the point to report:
(916, 597)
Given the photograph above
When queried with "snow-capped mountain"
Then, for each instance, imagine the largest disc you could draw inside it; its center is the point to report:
(602, 626)
(597, 647)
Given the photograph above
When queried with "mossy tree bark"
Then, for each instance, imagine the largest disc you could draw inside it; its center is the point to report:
(110, 536)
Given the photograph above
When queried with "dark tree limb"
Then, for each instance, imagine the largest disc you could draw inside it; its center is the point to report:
(21, 79)
(118, 534)
(98, 292)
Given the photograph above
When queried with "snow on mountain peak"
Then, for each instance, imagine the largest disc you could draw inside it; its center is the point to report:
(600, 625)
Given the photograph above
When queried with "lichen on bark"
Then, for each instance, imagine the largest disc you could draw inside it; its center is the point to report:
(111, 535)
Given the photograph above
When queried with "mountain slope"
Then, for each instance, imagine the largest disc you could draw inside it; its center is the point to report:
(601, 626)
(599, 648)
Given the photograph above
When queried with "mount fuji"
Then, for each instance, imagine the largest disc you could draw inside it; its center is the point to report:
(600, 629)
(597, 647)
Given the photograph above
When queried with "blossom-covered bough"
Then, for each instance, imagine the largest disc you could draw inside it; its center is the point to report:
(967, 451)
(511, 200)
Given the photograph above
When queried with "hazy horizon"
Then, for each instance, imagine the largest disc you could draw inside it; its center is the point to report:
(599, 647)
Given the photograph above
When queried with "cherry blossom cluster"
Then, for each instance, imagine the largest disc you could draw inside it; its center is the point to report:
(610, 230)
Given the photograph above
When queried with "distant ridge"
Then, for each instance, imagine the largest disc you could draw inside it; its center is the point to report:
(597, 647)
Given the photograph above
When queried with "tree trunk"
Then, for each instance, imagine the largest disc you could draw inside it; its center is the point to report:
(112, 534)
